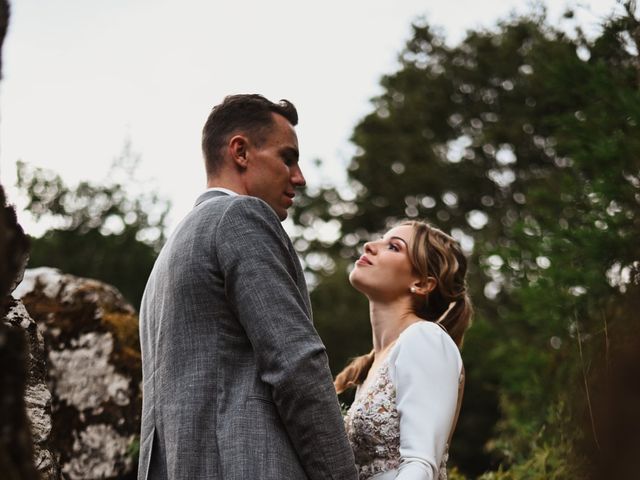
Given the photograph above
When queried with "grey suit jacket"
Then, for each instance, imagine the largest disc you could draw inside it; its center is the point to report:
(236, 383)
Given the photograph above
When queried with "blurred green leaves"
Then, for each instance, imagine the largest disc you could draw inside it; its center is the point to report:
(110, 230)
(524, 143)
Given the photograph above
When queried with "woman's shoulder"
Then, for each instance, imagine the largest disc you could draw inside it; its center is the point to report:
(425, 332)
(426, 341)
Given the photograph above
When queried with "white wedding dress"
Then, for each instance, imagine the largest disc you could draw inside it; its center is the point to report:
(399, 426)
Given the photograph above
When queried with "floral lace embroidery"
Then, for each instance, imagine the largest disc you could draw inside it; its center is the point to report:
(373, 428)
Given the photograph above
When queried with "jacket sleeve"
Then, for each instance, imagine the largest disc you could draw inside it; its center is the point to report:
(426, 375)
(261, 274)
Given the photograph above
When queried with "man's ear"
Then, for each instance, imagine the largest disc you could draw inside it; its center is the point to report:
(424, 287)
(238, 146)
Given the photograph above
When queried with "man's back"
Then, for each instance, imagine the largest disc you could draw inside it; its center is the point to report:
(236, 383)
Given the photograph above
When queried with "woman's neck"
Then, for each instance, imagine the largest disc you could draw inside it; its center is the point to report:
(388, 321)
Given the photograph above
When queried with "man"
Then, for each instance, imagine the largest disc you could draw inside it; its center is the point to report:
(236, 384)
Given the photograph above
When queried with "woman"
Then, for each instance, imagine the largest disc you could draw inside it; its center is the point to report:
(409, 387)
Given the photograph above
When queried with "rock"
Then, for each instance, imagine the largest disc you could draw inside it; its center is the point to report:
(16, 449)
(91, 340)
(23, 393)
(14, 251)
(37, 398)
(99, 449)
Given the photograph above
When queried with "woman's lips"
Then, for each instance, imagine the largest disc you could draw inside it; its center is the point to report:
(363, 260)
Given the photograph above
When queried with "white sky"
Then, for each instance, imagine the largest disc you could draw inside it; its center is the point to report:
(81, 76)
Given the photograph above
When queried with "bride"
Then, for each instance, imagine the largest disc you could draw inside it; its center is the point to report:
(409, 387)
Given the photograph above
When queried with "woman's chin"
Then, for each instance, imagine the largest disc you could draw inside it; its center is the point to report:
(356, 282)
(364, 288)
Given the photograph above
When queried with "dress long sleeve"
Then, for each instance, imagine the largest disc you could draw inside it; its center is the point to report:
(426, 370)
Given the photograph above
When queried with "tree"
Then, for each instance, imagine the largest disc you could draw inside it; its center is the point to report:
(524, 142)
(101, 230)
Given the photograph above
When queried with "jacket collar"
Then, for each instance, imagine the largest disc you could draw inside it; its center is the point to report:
(209, 195)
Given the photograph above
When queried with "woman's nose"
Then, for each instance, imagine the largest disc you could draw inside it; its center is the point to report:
(369, 248)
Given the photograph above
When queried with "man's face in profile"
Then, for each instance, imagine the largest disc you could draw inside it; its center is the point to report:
(273, 172)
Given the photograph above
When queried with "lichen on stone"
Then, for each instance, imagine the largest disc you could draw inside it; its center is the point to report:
(51, 278)
(99, 452)
(94, 369)
(84, 376)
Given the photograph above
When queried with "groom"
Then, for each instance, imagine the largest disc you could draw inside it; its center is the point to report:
(236, 384)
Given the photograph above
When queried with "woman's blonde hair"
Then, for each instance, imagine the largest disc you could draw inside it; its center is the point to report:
(434, 254)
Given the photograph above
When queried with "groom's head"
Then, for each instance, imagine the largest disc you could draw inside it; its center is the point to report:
(250, 146)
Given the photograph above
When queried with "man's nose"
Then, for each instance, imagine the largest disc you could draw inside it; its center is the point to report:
(297, 178)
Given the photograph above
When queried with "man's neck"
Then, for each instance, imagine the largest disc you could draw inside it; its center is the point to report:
(226, 184)
(221, 189)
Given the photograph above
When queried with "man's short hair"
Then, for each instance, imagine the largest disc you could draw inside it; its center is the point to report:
(250, 114)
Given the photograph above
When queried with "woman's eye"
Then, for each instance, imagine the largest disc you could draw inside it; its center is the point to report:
(393, 247)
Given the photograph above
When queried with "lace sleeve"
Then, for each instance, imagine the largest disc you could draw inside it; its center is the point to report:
(426, 371)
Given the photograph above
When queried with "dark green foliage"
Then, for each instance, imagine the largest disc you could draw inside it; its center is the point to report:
(527, 141)
(120, 260)
(103, 231)
(347, 323)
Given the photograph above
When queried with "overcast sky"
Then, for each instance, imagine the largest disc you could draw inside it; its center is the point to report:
(81, 77)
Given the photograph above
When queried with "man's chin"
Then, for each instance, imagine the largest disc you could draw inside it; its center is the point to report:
(282, 215)
(280, 211)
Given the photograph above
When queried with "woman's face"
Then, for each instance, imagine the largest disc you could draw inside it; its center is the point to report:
(384, 270)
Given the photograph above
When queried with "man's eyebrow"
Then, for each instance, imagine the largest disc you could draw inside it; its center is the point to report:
(401, 239)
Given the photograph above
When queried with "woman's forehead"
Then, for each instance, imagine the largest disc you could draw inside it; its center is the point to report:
(404, 232)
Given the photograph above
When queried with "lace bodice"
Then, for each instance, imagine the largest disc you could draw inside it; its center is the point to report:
(373, 425)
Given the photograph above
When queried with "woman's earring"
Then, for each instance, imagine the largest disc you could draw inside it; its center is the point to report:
(413, 289)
